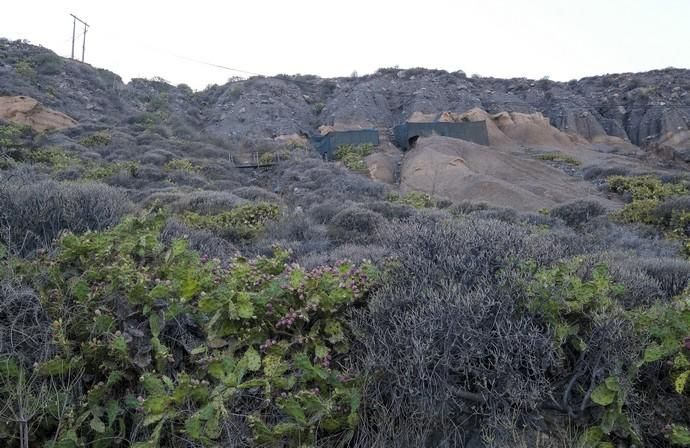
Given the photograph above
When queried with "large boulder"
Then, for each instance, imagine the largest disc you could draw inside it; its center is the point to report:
(461, 170)
(29, 112)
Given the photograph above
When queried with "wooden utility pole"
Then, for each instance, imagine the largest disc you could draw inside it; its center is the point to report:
(74, 26)
(74, 31)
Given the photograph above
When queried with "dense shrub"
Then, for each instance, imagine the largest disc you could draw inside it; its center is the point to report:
(157, 346)
(97, 139)
(31, 216)
(354, 225)
(391, 210)
(323, 212)
(24, 325)
(466, 340)
(181, 165)
(427, 330)
(578, 212)
(256, 194)
(240, 223)
(415, 199)
(353, 156)
(207, 202)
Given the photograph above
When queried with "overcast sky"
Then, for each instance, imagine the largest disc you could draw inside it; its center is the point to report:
(561, 39)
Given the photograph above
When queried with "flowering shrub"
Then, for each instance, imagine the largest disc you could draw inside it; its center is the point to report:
(162, 344)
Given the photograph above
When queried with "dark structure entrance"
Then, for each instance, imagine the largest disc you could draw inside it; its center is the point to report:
(406, 134)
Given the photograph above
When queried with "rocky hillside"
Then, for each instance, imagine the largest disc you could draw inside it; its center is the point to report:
(531, 292)
(650, 109)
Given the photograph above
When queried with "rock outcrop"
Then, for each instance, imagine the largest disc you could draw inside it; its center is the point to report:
(29, 112)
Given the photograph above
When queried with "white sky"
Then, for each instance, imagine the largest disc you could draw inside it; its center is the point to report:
(562, 39)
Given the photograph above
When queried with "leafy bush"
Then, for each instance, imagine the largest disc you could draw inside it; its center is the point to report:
(243, 222)
(645, 187)
(31, 216)
(181, 165)
(97, 139)
(95, 171)
(656, 203)
(415, 199)
(353, 156)
(155, 346)
(26, 70)
(10, 135)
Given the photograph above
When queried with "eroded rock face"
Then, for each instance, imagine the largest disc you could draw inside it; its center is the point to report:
(29, 112)
(650, 109)
(461, 170)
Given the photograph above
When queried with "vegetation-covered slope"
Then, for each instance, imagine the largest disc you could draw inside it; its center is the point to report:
(152, 294)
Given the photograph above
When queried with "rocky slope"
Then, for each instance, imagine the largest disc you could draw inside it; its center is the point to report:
(645, 108)
(633, 120)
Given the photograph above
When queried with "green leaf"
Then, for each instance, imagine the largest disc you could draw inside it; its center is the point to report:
(189, 287)
(591, 438)
(213, 428)
(59, 366)
(334, 331)
(681, 380)
(680, 435)
(244, 306)
(612, 383)
(321, 351)
(81, 290)
(602, 395)
(293, 408)
(152, 384)
(112, 411)
(156, 404)
(653, 353)
(253, 359)
(97, 425)
(3, 251)
(155, 324)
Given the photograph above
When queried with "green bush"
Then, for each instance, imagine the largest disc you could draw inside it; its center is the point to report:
(97, 139)
(199, 343)
(353, 156)
(645, 187)
(48, 63)
(655, 203)
(104, 171)
(243, 222)
(415, 199)
(182, 165)
(26, 70)
(559, 157)
(11, 134)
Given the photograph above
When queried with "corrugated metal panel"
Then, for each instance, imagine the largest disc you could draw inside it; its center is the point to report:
(328, 143)
(473, 131)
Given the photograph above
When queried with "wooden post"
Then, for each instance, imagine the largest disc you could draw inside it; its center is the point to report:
(74, 31)
(74, 26)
